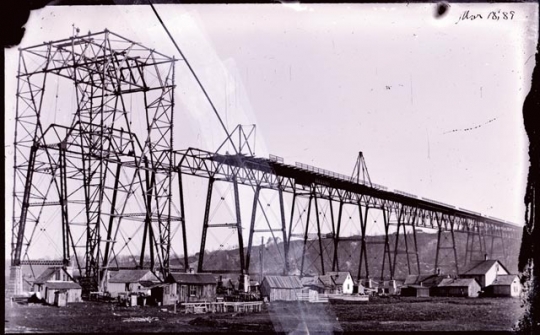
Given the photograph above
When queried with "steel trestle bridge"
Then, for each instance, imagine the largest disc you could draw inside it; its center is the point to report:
(101, 173)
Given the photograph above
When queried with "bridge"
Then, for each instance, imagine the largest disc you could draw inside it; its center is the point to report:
(103, 176)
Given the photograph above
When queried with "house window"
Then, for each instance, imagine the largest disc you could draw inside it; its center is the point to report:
(128, 288)
(348, 287)
(57, 275)
(192, 290)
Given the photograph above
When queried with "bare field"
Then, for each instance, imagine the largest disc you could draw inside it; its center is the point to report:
(380, 314)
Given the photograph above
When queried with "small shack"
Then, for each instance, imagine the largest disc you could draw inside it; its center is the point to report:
(281, 288)
(415, 291)
(504, 286)
(312, 283)
(54, 279)
(131, 281)
(460, 287)
(193, 287)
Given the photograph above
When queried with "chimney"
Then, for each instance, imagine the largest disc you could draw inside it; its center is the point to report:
(485, 257)
(438, 271)
(191, 270)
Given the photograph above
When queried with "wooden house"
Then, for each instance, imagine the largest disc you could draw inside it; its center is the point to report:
(131, 281)
(281, 288)
(485, 272)
(459, 287)
(343, 282)
(55, 279)
(193, 287)
(504, 286)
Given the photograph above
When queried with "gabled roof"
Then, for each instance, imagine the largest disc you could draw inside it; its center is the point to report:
(129, 276)
(312, 282)
(339, 277)
(504, 280)
(289, 282)
(482, 267)
(327, 281)
(193, 278)
(59, 285)
(459, 282)
(46, 275)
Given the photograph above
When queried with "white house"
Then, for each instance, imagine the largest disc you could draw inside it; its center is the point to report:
(343, 281)
(127, 281)
(485, 272)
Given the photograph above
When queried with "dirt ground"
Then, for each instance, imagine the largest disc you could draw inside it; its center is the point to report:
(380, 314)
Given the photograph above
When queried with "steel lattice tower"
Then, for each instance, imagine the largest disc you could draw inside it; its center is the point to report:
(97, 168)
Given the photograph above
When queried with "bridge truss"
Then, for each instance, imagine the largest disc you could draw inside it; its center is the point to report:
(118, 185)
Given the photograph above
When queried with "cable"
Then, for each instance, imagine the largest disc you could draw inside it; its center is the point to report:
(196, 78)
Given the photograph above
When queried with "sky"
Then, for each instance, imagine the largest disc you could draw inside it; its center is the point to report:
(434, 104)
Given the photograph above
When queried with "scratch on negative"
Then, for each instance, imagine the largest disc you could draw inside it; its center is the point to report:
(471, 128)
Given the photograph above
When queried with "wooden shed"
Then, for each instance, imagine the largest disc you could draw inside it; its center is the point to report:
(281, 288)
(460, 287)
(71, 291)
(164, 294)
(504, 286)
(415, 291)
(193, 287)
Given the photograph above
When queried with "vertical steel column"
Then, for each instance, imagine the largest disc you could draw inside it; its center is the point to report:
(319, 232)
(284, 230)
(363, 248)
(252, 225)
(467, 247)
(183, 220)
(292, 218)
(392, 272)
(438, 243)
(305, 236)
(63, 202)
(335, 262)
(416, 245)
(205, 223)
(454, 245)
(112, 216)
(239, 225)
(386, 244)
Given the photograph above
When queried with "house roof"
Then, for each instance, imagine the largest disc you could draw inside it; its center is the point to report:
(59, 285)
(504, 280)
(426, 280)
(339, 277)
(193, 278)
(308, 280)
(46, 275)
(311, 281)
(290, 282)
(459, 282)
(418, 287)
(482, 267)
(129, 276)
(327, 280)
